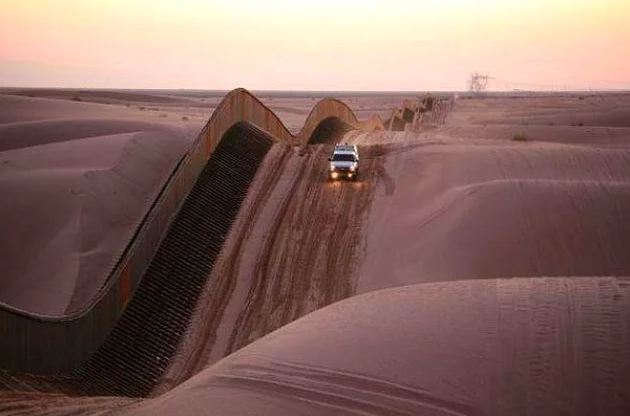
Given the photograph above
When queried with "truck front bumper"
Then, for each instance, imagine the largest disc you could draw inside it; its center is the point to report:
(342, 174)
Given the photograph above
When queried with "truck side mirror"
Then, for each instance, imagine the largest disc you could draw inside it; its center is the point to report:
(330, 159)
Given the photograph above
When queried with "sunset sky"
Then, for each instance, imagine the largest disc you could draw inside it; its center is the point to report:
(319, 45)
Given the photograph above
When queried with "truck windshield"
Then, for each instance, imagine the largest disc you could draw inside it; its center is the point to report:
(343, 157)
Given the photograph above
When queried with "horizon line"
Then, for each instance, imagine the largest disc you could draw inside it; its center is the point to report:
(323, 91)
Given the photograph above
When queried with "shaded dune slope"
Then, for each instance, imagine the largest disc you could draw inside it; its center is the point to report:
(456, 209)
(523, 228)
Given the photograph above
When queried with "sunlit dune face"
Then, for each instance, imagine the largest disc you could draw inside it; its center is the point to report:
(373, 45)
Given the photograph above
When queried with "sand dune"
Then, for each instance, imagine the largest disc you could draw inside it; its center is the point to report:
(78, 188)
(440, 207)
(35, 133)
(458, 211)
(508, 228)
(437, 210)
(73, 207)
(519, 346)
(20, 109)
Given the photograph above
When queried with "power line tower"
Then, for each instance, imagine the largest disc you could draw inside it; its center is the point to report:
(478, 83)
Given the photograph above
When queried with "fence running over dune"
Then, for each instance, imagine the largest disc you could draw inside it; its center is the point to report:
(68, 345)
(413, 115)
(137, 351)
(122, 341)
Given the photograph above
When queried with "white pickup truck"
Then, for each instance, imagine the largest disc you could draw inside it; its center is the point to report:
(344, 162)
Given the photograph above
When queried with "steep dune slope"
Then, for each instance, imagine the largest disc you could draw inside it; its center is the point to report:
(73, 207)
(80, 176)
(293, 249)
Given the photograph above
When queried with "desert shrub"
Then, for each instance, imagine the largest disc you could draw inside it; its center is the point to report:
(520, 137)
(185, 118)
(76, 98)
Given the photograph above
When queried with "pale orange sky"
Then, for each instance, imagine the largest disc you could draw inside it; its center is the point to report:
(318, 45)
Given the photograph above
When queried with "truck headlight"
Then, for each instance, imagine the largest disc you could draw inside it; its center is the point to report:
(332, 167)
(353, 168)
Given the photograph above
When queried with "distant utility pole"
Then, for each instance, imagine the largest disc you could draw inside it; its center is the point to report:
(478, 83)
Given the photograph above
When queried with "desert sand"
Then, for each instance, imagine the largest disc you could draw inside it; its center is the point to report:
(430, 207)
(481, 274)
(514, 346)
(76, 179)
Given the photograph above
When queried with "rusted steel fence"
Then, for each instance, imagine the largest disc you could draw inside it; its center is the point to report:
(40, 344)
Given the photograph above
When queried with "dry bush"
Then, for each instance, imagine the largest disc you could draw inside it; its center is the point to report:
(520, 137)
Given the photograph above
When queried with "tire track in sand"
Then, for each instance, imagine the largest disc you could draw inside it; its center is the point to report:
(308, 258)
(293, 249)
(202, 333)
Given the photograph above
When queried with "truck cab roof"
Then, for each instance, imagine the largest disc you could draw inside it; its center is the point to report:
(346, 149)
